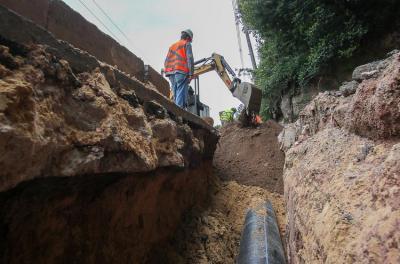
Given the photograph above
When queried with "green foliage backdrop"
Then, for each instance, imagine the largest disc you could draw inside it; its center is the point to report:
(299, 38)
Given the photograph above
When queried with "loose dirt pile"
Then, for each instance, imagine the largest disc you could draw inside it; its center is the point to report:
(251, 156)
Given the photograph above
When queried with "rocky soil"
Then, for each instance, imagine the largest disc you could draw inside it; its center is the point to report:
(78, 124)
(90, 172)
(342, 172)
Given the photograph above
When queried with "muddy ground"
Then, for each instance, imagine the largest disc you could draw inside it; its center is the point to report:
(211, 234)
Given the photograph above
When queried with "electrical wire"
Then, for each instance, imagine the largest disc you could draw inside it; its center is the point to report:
(112, 22)
(118, 28)
(99, 20)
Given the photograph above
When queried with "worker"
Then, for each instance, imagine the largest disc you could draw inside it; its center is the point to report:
(227, 116)
(179, 67)
(258, 120)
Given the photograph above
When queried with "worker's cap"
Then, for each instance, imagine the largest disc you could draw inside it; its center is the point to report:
(189, 32)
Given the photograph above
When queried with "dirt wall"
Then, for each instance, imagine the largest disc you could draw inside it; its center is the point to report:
(98, 218)
(342, 172)
(62, 124)
(96, 167)
(66, 24)
(152, 76)
(36, 10)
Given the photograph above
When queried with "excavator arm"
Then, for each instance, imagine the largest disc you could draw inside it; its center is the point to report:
(216, 63)
(247, 93)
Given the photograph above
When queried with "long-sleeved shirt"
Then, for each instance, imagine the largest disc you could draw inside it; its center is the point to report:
(190, 58)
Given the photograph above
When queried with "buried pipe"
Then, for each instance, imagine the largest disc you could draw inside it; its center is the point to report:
(261, 242)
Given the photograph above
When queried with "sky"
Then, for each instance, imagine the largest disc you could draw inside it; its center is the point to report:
(153, 25)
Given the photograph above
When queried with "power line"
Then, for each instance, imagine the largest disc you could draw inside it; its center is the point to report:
(99, 20)
(109, 18)
(118, 28)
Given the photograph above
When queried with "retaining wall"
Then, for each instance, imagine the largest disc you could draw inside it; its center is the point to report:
(66, 24)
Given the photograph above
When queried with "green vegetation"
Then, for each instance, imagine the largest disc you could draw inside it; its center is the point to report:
(299, 38)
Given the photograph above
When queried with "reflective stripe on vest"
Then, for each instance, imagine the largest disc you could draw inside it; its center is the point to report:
(176, 58)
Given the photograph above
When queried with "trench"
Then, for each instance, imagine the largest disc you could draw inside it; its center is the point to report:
(211, 233)
(118, 210)
(113, 217)
(121, 210)
(59, 207)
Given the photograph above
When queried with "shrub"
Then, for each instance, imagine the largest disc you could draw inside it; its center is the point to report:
(299, 38)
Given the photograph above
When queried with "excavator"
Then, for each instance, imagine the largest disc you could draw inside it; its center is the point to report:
(247, 93)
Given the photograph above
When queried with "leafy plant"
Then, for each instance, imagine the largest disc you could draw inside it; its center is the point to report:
(298, 39)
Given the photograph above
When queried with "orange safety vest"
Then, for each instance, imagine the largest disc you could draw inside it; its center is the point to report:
(258, 119)
(176, 58)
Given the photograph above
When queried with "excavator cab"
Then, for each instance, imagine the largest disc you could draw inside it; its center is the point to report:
(247, 93)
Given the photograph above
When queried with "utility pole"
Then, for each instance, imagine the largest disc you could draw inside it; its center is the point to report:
(251, 52)
(237, 22)
(247, 34)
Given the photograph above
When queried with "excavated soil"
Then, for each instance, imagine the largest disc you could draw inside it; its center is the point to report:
(211, 234)
(251, 156)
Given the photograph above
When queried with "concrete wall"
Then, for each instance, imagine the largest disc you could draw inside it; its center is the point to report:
(153, 76)
(68, 25)
(35, 10)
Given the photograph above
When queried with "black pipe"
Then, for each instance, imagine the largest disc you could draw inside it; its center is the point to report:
(261, 242)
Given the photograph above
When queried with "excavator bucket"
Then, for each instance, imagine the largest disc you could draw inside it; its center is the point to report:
(250, 95)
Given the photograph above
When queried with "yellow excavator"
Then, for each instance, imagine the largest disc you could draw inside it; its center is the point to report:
(247, 93)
